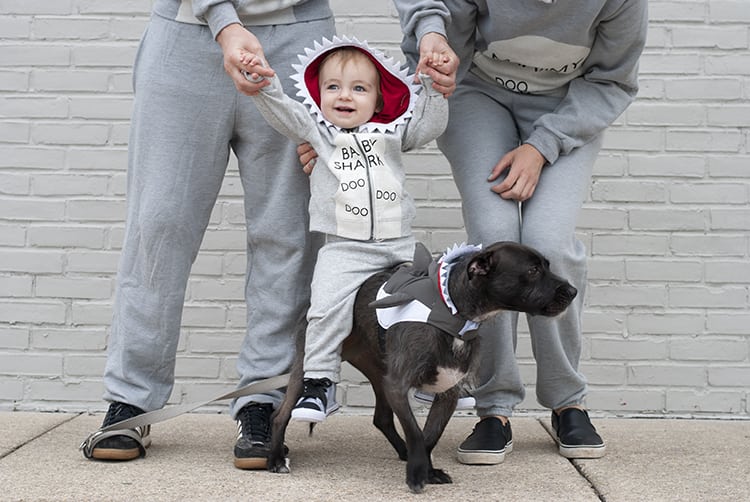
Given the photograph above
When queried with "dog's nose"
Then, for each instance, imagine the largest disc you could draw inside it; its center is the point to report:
(566, 292)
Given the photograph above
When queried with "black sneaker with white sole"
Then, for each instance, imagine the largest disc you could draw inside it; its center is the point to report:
(487, 444)
(122, 447)
(318, 400)
(576, 435)
(253, 436)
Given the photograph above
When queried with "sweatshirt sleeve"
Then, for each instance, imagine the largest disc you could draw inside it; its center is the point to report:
(595, 99)
(419, 17)
(218, 14)
(288, 116)
(429, 117)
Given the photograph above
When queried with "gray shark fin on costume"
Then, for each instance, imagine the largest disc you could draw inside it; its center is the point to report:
(419, 268)
(391, 301)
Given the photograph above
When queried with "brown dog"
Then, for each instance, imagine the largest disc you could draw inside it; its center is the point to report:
(423, 354)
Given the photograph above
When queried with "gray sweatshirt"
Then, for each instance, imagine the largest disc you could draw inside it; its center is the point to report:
(357, 187)
(217, 14)
(586, 51)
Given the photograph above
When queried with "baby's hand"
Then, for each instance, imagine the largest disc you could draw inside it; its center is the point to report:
(248, 58)
(252, 62)
(436, 60)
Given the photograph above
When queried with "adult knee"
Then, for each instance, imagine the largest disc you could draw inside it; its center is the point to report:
(167, 234)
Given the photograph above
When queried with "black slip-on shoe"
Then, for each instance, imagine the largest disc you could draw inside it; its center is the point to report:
(576, 436)
(487, 444)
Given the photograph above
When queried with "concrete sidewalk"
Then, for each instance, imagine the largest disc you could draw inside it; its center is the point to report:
(348, 459)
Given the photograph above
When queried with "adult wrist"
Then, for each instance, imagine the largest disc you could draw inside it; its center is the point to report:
(220, 16)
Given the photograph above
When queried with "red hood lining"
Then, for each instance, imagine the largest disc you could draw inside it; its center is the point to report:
(395, 92)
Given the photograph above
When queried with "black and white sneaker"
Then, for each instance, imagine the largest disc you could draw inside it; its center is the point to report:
(317, 402)
(465, 400)
(253, 436)
(487, 444)
(576, 435)
(127, 446)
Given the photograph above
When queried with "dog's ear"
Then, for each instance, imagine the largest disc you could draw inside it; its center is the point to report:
(480, 265)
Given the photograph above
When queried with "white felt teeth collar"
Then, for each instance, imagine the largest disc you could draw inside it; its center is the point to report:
(390, 64)
(445, 264)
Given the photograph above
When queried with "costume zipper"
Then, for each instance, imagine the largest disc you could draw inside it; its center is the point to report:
(369, 187)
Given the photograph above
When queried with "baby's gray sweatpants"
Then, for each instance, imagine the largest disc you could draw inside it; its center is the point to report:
(187, 115)
(342, 266)
(485, 123)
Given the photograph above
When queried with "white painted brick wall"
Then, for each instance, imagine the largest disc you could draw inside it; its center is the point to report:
(666, 223)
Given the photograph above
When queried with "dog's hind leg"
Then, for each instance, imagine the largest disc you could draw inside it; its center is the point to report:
(282, 415)
(279, 423)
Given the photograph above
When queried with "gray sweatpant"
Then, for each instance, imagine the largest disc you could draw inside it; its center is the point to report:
(342, 266)
(485, 123)
(187, 115)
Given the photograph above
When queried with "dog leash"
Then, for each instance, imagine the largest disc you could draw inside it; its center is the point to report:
(152, 417)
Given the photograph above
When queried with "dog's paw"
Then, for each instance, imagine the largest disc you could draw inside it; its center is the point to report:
(279, 466)
(416, 477)
(439, 477)
(415, 487)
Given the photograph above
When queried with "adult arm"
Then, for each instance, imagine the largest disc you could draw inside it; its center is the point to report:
(218, 14)
(419, 17)
(224, 23)
(425, 42)
(595, 99)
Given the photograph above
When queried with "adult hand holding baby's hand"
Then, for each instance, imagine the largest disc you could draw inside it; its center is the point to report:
(439, 62)
(237, 43)
(253, 66)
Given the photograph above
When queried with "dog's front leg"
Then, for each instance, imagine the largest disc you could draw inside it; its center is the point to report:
(418, 461)
(440, 413)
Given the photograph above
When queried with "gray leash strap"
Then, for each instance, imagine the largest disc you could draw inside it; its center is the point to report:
(124, 428)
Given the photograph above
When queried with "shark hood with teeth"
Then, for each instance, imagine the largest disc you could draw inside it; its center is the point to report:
(396, 87)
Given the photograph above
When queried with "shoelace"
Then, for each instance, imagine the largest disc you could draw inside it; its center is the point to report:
(315, 388)
(254, 422)
(118, 412)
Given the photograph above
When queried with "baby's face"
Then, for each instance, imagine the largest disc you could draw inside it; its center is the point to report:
(348, 91)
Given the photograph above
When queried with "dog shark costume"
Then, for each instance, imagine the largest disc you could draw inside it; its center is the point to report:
(419, 293)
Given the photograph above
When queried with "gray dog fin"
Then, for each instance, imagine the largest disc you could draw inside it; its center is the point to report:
(422, 259)
(408, 282)
(393, 300)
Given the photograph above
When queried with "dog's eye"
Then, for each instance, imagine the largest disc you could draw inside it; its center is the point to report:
(533, 272)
